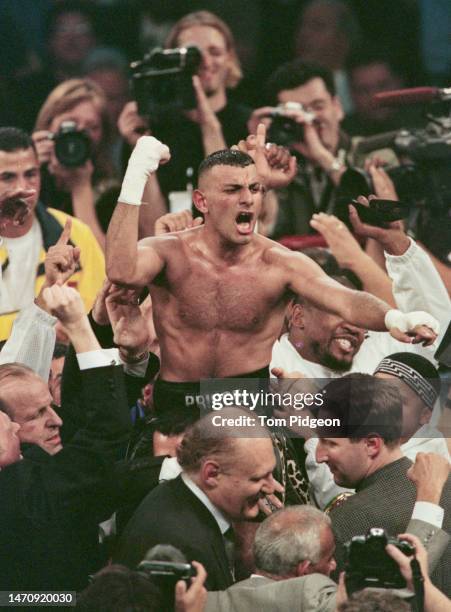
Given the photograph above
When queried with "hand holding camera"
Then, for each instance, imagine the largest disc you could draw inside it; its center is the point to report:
(185, 580)
(404, 561)
(378, 222)
(368, 563)
(67, 154)
(131, 125)
(69, 146)
(193, 597)
(285, 123)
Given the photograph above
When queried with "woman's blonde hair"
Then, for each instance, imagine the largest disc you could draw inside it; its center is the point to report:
(65, 97)
(205, 18)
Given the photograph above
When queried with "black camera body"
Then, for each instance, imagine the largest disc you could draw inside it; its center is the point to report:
(167, 573)
(284, 130)
(423, 180)
(162, 81)
(369, 565)
(73, 147)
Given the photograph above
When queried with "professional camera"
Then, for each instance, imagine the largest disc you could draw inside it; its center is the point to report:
(369, 565)
(73, 147)
(423, 180)
(284, 130)
(162, 81)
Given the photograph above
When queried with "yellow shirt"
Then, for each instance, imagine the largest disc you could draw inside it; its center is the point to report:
(90, 274)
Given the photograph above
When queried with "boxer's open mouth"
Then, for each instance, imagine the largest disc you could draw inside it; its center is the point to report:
(244, 222)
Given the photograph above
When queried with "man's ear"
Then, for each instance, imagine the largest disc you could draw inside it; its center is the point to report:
(425, 416)
(200, 201)
(209, 473)
(373, 445)
(296, 318)
(303, 568)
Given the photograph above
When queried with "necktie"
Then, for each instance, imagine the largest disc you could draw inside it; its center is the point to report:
(229, 545)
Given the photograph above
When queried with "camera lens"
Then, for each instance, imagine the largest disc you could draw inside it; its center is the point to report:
(72, 146)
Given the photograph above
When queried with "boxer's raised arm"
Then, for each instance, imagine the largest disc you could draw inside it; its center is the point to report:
(126, 263)
(357, 307)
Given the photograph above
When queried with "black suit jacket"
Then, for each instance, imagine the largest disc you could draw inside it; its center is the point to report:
(50, 505)
(172, 514)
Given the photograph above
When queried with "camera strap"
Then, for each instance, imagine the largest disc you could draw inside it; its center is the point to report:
(418, 585)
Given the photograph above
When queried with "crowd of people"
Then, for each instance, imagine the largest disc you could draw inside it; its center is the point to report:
(220, 387)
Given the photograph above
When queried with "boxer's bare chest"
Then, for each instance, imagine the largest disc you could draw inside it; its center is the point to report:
(206, 295)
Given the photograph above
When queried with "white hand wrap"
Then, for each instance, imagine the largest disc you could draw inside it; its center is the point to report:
(405, 322)
(144, 160)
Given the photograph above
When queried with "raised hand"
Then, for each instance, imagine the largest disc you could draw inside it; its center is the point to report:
(270, 503)
(275, 166)
(392, 238)
(429, 474)
(129, 327)
(66, 304)
(131, 125)
(412, 327)
(194, 597)
(99, 310)
(383, 185)
(342, 243)
(212, 136)
(176, 222)
(44, 145)
(62, 258)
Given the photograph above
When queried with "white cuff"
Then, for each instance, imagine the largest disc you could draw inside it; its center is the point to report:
(405, 256)
(98, 359)
(429, 513)
(33, 310)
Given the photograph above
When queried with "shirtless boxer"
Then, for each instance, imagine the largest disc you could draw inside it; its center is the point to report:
(220, 290)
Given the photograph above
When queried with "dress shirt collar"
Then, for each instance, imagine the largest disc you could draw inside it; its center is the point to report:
(223, 523)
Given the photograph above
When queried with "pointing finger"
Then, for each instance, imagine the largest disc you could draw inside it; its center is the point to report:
(65, 236)
(261, 135)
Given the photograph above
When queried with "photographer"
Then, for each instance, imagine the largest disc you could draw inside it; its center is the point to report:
(308, 119)
(116, 588)
(434, 599)
(315, 112)
(75, 158)
(215, 123)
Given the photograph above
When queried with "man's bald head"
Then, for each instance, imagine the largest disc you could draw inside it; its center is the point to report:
(295, 541)
(206, 439)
